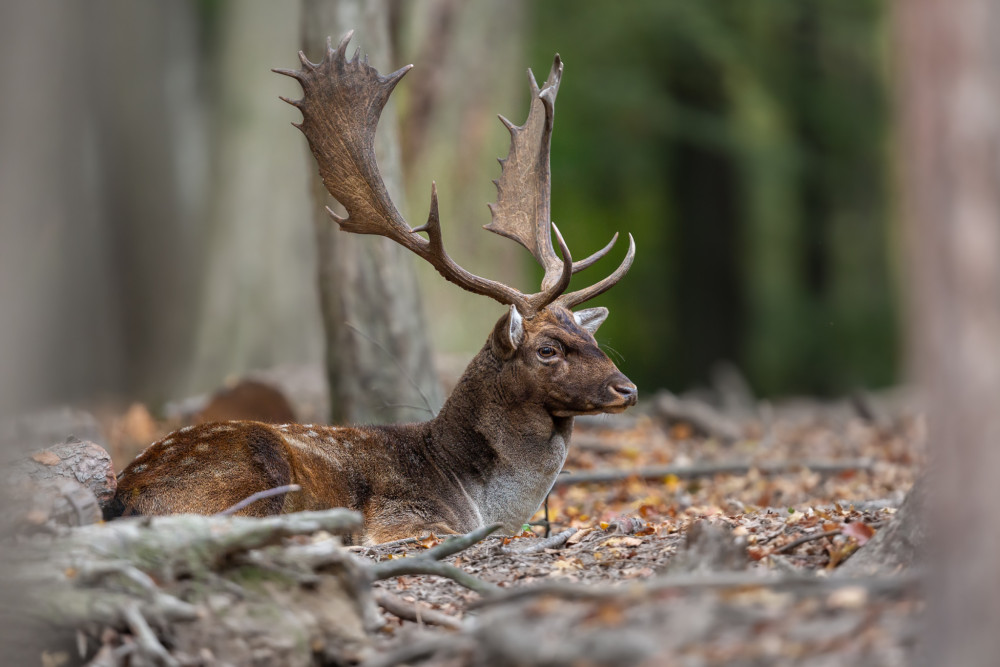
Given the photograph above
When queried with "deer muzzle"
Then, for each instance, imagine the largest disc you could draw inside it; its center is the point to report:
(622, 393)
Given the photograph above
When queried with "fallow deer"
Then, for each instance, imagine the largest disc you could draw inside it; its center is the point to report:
(493, 452)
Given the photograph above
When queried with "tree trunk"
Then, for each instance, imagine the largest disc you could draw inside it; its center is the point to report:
(950, 138)
(377, 352)
(258, 299)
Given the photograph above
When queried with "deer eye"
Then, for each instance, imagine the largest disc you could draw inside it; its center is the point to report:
(547, 352)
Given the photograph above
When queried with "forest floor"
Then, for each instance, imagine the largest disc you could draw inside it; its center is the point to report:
(710, 540)
(798, 523)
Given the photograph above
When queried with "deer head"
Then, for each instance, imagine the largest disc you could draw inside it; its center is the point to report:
(552, 360)
(342, 102)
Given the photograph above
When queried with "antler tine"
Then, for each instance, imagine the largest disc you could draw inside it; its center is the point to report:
(522, 211)
(551, 293)
(588, 293)
(341, 106)
(436, 255)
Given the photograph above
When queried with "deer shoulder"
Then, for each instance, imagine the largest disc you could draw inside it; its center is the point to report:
(494, 450)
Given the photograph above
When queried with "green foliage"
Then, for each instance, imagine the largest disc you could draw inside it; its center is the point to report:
(744, 146)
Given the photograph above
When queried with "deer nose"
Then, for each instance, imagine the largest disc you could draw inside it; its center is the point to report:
(628, 391)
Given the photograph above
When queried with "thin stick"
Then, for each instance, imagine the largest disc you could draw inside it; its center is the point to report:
(412, 612)
(429, 562)
(403, 566)
(710, 469)
(538, 546)
(260, 495)
(459, 543)
(387, 545)
(144, 636)
(806, 538)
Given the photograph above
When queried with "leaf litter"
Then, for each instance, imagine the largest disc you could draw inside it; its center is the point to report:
(802, 523)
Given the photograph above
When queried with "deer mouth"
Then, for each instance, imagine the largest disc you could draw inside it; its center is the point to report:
(615, 408)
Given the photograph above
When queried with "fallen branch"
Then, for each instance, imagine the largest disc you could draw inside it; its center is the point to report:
(429, 562)
(260, 495)
(387, 545)
(718, 581)
(806, 538)
(458, 543)
(540, 545)
(404, 566)
(420, 650)
(412, 612)
(145, 638)
(710, 469)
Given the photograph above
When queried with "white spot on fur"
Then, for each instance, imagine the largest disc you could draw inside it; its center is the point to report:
(186, 429)
(189, 461)
(284, 427)
(311, 433)
(203, 447)
(139, 468)
(166, 443)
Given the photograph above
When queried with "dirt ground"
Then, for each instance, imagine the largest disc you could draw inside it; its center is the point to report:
(796, 526)
(711, 540)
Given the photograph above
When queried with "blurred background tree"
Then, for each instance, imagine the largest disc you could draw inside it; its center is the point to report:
(745, 145)
(155, 209)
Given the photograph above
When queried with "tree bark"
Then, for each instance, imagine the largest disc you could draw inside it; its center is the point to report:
(950, 136)
(377, 352)
(258, 299)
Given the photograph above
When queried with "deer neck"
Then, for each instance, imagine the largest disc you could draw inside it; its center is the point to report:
(501, 447)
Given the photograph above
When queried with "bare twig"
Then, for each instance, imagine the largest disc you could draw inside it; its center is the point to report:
(768, 538)
(386, 545)
(538, 546)
(402, 566)
(260, 495)
(806, 538)
(710, 469)
(144, 636)
(459, 543)
(428, 562)
(412, 612)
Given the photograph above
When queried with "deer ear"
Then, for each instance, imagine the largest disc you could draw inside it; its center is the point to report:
(591, 318)
(515, 328)
(508, 334)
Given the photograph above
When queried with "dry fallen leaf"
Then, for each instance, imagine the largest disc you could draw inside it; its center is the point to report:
(622, 542)
(430, 541)
(46, 458)
(859, 530)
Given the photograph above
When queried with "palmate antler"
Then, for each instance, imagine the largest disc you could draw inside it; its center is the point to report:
(342, 102)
